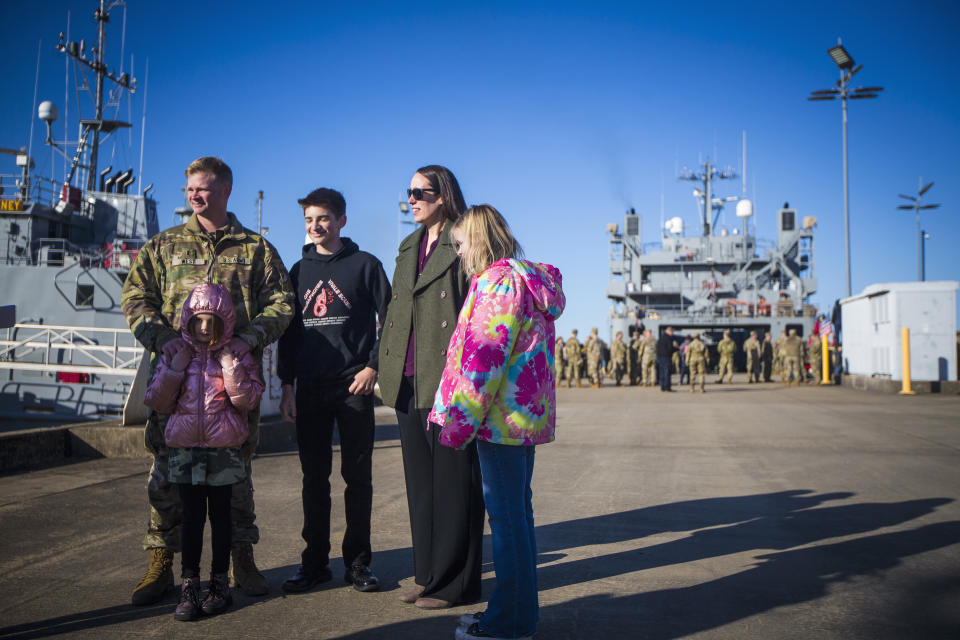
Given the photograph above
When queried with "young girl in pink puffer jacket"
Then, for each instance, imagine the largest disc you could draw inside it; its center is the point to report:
(207, 388)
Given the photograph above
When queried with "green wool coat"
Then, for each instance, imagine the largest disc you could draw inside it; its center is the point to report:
(430, 307)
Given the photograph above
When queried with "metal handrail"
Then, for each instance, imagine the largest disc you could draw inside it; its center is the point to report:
(106, 356)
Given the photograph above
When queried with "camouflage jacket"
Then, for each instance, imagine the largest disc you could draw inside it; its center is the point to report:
(176, 260)
(572, 349)
(618, 352)
(696, 352)
(726, 347)
(752, 347)
(648, 349)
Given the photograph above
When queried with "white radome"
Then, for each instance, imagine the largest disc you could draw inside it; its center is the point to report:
(744, 208)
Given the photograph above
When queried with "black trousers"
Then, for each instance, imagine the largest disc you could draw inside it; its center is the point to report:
(663, 369)
(195, 500)
(445, 498)
(319, 408)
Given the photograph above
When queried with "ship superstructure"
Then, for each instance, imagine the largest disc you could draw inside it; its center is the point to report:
(722, 279)
(65, 249)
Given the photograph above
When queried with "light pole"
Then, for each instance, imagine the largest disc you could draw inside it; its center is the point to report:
(917, 207)
(924, 236)
(404, 207)
(844, 60)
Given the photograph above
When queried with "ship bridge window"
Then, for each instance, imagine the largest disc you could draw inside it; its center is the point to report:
(787, 219)
(84, 295)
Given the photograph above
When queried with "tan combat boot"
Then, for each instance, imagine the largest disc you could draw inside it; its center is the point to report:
(157, 580)
(246, 576)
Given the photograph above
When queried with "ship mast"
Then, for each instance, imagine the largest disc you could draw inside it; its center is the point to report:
(93, 128)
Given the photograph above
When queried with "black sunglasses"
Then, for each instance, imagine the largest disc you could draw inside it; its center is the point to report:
(418, 193)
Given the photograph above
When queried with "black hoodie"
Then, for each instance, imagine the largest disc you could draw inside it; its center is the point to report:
(334, 332)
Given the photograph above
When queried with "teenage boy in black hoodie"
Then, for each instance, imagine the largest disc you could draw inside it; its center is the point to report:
(330, 349)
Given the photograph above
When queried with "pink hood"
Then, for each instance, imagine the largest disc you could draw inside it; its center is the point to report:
(207, 402)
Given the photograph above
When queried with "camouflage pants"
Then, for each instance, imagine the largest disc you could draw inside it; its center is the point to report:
(753, 369)
(649, 372)
(726, 367)
(573, 372)
(164, 527)
(617, 371)
(594, 371)
(698, 369)
(791, 367)
(816, 369)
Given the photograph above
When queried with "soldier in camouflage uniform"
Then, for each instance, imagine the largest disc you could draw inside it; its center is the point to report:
(211, 247)
(751, 348)
(726, 348)
(594, 347)
(792, 357)
(618, 358)
(766, 355)
(558, 361)
(816, 359)
(778, 355)
(635, 372)
(648, 358)
(572, 352)
(697, 361)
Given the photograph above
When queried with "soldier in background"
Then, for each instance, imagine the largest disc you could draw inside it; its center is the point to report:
(751, 348)
(697, 361)
(572, 351)
(684, 369)
(212, 246)
(636, 371)
(648, 358)
(792, 353)
(675, 358)
(726, 348)
(766, 355)
(816, 358)
(618, 358)
(778, 354)
(559, 365)
(594, 347)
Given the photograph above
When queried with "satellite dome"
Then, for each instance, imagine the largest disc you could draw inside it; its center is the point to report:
(744, 209)
(47, 111)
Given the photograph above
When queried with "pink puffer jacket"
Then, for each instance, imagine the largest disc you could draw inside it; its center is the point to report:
(207, 403)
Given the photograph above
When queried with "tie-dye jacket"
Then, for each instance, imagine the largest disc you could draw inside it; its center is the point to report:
(498, 382)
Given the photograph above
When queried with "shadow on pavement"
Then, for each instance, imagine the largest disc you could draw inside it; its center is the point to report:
(781, 520)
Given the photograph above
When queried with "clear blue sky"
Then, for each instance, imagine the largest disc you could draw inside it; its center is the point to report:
(562, 115)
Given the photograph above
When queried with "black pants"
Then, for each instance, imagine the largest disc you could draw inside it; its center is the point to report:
(319, 408)
(663, 369)
(195, 500)
(445, 498)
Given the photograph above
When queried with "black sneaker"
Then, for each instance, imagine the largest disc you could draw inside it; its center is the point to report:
(473, 631)
(305, 579)
(361, 578)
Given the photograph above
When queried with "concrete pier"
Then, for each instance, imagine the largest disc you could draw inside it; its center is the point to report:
(750, 511)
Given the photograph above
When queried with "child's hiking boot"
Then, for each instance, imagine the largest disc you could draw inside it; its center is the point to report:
(189, 606)
(218, 596)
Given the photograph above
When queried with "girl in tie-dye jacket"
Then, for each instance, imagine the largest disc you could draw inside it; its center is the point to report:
(498, 388)
(498, 383)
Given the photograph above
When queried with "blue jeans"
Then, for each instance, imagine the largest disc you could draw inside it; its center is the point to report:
(513, 608)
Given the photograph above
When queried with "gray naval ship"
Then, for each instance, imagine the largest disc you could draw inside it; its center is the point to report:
(66, 246)
(716, 281)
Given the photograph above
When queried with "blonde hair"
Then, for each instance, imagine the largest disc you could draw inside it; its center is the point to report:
(488, 238)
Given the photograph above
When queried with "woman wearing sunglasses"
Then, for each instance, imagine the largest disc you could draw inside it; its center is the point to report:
(498, 393)
(443, 485)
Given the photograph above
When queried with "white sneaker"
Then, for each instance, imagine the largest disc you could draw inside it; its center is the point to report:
(468, 619)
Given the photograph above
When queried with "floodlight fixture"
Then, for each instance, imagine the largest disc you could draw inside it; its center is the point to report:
(841, 57)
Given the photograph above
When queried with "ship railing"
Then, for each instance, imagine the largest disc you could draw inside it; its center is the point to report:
(70, 350)
(53, 252)
(120, 254)
(33, 189)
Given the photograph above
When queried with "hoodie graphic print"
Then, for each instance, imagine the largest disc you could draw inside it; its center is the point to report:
(498, 383)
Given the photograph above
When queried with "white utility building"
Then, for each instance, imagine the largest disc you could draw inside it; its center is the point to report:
(872, 323)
